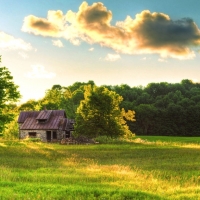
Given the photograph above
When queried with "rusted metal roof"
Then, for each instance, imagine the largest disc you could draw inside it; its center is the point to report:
(31, 120)
(44, 114)
(25, 114)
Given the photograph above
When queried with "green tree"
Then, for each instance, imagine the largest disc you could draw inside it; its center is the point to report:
(53, 98)
(8, 94)
(12, 130)
(66, 98)
(145, 116)
(71, 101)
(99, 114)
(30, 105)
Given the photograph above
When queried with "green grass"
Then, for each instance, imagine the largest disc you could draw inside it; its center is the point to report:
(179, 140)
(145, 168)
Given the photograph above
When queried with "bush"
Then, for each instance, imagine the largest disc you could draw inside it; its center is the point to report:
(11, 131)
(103, 139)
(108, 140)
(33, 139)
(129, 136)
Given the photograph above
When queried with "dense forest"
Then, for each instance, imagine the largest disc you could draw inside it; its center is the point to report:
(157, 109)
(161, 108)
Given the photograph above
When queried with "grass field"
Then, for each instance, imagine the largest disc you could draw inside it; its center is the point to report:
(145, 168)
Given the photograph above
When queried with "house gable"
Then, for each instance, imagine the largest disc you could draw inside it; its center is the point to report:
(44, 116)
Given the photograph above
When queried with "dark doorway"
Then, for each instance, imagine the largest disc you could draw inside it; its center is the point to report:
(67, 134)
(54, 135)
(48, 136)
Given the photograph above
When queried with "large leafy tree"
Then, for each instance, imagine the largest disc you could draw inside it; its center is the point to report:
(30, 105)
(53, 98)
(59, 97)
(8, 94)
(67, 98)
(99, 114)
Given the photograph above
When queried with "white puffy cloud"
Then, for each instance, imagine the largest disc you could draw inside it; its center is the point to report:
(57, 43)
(112, 57)
(39, 72)
(8, 42)
(144, 34)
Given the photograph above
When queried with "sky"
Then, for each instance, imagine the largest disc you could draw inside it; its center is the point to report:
(134, 42)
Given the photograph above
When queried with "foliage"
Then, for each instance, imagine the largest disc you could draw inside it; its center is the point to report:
(30, 105)
(120, 140)
(33, 140)
(145, 117)
(99, 114)
(146, 168)
(65, 98)
(8, 94)
(11, 131)
(163, 108)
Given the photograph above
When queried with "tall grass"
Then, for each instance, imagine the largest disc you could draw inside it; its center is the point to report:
(146, 168)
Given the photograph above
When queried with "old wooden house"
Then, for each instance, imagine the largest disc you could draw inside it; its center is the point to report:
(48, 125)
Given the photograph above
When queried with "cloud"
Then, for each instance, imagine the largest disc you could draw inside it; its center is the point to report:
(57, 43)
(112, 57)
(91, 49)
(52, 26)
(8, 42)
(39, 72)
(145, 34)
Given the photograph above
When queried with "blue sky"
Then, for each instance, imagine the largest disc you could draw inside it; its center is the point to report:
(111, 42)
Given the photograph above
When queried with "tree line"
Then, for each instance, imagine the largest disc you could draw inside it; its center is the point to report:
(163, 108)
(160, 108)
(157, 109)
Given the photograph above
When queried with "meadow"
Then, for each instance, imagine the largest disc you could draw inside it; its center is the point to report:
(143, 168)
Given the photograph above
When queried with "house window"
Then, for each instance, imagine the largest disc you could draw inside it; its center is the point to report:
(42, 121)
(54, 135)
(32, 134)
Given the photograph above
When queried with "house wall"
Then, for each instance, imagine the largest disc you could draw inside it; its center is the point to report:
(41, 134)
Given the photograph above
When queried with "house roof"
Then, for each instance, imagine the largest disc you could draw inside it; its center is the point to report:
(44, 120)
(25, 114)
(44, 114)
